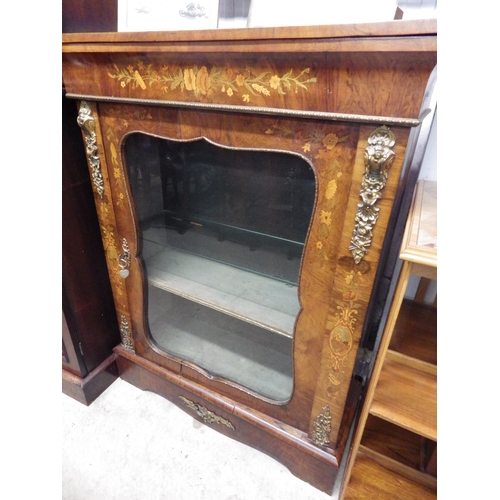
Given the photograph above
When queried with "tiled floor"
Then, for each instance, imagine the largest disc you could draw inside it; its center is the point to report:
(135, 445)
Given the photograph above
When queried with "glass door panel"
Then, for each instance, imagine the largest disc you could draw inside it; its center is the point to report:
(222, 232)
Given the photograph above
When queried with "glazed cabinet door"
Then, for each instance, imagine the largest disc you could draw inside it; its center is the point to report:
(237, 241)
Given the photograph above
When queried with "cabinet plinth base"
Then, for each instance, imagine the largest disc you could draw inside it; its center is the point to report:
(289, 446)
(87, 389)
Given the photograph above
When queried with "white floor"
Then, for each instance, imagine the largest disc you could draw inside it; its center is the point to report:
(131, 444)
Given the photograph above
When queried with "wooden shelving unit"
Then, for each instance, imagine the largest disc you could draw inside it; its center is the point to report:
(394, 448)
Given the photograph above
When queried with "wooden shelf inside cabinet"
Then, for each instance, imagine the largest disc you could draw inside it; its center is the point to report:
(402, 390)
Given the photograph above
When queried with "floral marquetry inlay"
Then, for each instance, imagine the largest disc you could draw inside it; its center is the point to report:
(202, 81)
(341, 324)
(332, 154)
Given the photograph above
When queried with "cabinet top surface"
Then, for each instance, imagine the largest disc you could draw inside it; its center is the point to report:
(420, 239)
(395, 30)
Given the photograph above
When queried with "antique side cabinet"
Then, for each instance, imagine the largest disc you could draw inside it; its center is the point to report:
(247, 183)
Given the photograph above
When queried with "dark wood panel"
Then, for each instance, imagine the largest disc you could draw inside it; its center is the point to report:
(87, 298)
(407, 397)
(87, 389)
(89, 16)
(70, 360)
(393, 441)
(415, 333)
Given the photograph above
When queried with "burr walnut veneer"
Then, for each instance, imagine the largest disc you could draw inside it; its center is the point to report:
(247, 183)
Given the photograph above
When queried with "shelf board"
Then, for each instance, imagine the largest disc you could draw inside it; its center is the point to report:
(393, 442)
(256, 299)
(374, 477)
(415, 334)
(412, 362)
(407, 397)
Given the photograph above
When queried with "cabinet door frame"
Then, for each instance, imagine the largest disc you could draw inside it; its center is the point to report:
(334, 291)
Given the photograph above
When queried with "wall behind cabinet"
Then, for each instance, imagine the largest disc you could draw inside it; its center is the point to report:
(428, 171)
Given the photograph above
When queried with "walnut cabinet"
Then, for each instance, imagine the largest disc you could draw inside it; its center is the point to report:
(246, 184)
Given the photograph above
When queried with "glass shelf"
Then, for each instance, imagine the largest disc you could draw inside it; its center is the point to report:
(251, 297)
